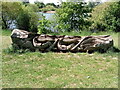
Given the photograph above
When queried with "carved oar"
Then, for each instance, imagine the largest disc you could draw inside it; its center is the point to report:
(53, 45)
(80, 41)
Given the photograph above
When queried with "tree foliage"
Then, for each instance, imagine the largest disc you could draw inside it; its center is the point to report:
(48, 8)
(10, 11)
(72, 16)
(51, 4)
(112, 17)
(92, 4)
(43, 26)
(25, 16)
(106, 17)
(28, 19)
(40, 4)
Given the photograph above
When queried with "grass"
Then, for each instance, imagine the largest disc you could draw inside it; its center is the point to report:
(5, 32)
(59, 70)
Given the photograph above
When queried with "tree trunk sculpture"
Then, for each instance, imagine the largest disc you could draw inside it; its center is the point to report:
(42, 42)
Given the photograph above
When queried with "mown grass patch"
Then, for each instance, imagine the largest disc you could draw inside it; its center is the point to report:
(59, 70)
(55, 70)
(5, 32)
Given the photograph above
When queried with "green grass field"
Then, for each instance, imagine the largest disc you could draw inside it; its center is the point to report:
(59, 70)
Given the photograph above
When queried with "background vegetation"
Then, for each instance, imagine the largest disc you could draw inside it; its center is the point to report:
(105, 17)
(69, 16)
(72, 16)
(25, 17)
(24, 69)
(94, 17)
(46, 7)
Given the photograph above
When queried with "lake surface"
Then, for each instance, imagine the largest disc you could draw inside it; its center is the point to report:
(48, 16)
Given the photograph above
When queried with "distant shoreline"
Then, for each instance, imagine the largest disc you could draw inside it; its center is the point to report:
(49, 12)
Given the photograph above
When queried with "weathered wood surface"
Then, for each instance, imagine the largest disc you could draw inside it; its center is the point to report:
(43, 42)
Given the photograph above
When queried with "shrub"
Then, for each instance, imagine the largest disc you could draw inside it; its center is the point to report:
(72, 16)
(106, 17)
(43, 26)
(10, 11)
(48, 8)
(26, 17)
(11, 50)
(112, 17)
(40, 4)
(51, 4)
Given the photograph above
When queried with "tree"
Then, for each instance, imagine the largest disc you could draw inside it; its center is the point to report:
(51, 4)
(10, 11)
(72, 16)
(112, 17)
(92, 4)
(28, 19)
(25, 2)
(48, 8)
(40, 4)
(106, 17)
(25, 17)
(98, 14)
(43, 26)
(33, 7)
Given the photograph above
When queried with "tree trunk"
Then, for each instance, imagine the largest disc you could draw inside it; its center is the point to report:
(4, 24)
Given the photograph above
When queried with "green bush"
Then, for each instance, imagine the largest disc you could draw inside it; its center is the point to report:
(51, 4)
(26, 17)
(11, 49)
(43, 26)
(40, 4)
(72, 16)
(33, 7)
(112, 17)
(10, 12)
(106, 17)
(48, 8)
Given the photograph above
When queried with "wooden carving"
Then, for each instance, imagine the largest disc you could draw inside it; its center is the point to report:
(43, 42)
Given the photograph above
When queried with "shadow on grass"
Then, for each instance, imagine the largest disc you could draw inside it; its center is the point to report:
(12, 50)
(112, 49)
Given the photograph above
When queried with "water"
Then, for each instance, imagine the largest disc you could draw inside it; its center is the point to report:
(12, 25)
(48, 16)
